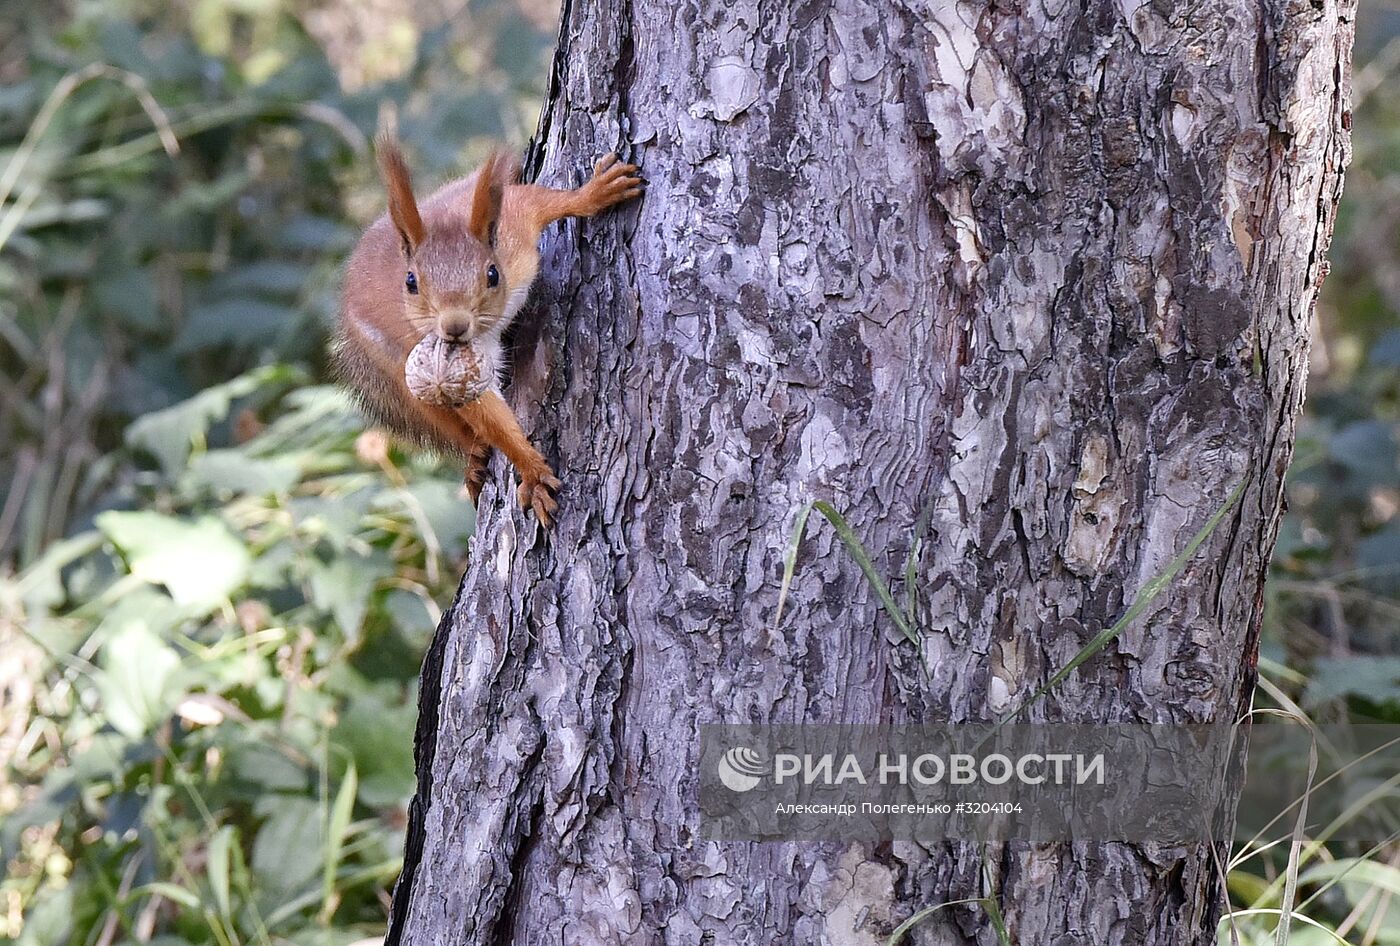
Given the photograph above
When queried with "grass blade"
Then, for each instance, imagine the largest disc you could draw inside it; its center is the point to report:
(990, 902)
(1310, 922)
(1252, 847)
(1290, 884)
(853, 545)
(66, 86)
(339, 824)
(790, 561)
(219, 854)
(170, 891)
(916, 549)
(998, 922)
(1146, 596)
(924, 914)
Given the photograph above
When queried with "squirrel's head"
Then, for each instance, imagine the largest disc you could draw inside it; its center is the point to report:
(452, 278)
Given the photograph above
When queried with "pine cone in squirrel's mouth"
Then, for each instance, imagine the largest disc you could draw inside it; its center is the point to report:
(446, 374)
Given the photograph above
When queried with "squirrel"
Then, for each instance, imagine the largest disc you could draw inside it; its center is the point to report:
(461, 264)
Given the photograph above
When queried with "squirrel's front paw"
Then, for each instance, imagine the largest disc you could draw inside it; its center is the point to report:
(612, 183)
(537, 493)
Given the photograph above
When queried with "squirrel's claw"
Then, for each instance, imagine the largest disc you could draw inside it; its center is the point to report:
(613, 182)
(603, 163)
(537, 493)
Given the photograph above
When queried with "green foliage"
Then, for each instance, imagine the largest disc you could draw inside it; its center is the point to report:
(230, 715)
(215, 588)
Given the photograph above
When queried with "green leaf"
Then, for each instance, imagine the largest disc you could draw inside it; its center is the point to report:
(266, 278)
(379, 737)
(169, 434)
(40, 585)
(343, 587)
(276, 567)
(265, 767)
(206, 196)
(200, 563)
(337, 520)
(246, 322)
(410, 615)
(1369, 886)
(102, 759)
(284, 852)
(172, 892)
(1386, 351)
(312, 415)
(219, 858)
(439, 505)
(1371, 677)
(1246, 887)
(134, 682)
(1378, 558)
(129, 296)
(1367, 449)
(147, 606)
(319, 234)
(234, 471)
(49, 918)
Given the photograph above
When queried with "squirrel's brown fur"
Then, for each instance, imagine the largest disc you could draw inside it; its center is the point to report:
(473, 251)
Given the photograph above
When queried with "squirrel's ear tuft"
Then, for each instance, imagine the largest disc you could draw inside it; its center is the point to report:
(403, 208)
(499, 171)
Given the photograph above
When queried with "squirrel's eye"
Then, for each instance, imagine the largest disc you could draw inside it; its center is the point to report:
(410, 282)
(492, 276)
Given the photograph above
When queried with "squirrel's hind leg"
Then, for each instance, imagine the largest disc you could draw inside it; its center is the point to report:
(475, 477)
(447, 431)
(492, 420)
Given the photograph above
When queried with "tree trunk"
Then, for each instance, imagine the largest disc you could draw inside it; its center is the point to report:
(1040, 277)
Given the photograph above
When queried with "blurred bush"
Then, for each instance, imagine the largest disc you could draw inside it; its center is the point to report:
(217, 588)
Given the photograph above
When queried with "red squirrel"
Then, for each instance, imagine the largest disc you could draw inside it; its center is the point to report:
(460, 264)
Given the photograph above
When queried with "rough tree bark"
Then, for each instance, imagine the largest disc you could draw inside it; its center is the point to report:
(1043, 270)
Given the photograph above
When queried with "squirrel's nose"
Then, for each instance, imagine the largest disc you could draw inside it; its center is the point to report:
(454, 329)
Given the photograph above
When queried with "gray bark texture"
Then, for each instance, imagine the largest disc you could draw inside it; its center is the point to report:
(1038, 274)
